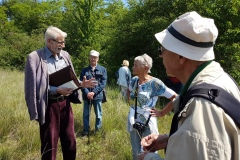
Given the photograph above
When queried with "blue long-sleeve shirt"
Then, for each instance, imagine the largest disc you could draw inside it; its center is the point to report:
(100, 74)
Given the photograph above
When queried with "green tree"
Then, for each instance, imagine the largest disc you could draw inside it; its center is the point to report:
(32, 17)
(78, 22)
(146, 17)
(22, 28)
(90, 25)
(135, 35)
(107, 29)
(117, 32)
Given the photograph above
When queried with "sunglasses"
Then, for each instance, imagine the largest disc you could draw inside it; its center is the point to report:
(160, 50)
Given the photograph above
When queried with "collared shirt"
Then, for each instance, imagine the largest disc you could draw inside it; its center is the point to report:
(54, 64)
(207, 132)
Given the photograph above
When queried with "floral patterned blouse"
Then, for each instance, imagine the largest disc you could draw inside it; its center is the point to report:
(147, 96)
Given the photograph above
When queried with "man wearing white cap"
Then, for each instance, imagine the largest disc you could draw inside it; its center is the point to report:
(204, 131)
(93, 96)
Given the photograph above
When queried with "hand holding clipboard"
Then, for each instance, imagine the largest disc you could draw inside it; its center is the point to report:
(67, 78)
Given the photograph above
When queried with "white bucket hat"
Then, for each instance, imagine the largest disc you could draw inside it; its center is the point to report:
(94, 53)
(191, 36)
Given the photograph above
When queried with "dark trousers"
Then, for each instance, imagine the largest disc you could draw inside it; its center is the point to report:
(59, 123)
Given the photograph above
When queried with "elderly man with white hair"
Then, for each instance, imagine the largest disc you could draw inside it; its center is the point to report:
(93, 96)
(50, 105)
(204, 131)
(145, 90)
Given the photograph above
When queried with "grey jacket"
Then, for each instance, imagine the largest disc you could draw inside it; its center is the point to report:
(36, 83)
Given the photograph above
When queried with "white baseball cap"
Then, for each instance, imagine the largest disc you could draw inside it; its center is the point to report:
(191, 36)
(94, 53)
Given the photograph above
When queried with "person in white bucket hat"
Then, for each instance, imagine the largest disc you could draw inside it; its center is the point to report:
(204, 131)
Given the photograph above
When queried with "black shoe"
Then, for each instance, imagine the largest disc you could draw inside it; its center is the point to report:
(84, 133)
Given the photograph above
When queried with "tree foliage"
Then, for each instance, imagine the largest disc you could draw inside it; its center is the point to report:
(116, 31)
(79, 23)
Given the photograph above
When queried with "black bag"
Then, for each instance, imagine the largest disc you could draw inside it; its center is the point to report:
(104, 96)
(74, 97)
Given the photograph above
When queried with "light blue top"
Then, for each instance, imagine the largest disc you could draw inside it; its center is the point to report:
(124, 76)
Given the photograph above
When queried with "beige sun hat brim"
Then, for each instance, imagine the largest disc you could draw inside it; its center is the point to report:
(190, 35)
(191, 52)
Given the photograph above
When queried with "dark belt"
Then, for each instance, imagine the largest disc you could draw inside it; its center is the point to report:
(53, 99)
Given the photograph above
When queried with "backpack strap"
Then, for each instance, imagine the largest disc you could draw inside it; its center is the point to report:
(135, 113)
(135, 96)
(214, 94)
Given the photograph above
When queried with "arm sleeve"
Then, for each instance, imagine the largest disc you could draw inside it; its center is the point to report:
(168, 93)
(152, 156)
(53, 90)
(84, 90)
(102, 82)
(161, 89)
(30, 87)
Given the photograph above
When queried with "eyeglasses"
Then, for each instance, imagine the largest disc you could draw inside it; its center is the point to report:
(63, 42)
(160, 50)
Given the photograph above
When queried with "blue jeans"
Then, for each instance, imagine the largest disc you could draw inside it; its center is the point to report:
(136, 142)
(97, 104)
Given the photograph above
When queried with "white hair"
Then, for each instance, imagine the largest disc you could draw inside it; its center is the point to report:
(54, 32)
(145, 60)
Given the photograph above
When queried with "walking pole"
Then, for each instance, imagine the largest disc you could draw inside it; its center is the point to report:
(90, 105)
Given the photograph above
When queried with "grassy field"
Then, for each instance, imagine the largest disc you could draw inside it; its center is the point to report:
(19, 137)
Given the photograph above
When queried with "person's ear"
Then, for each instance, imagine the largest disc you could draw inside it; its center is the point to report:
(181, 59)
(146, 68)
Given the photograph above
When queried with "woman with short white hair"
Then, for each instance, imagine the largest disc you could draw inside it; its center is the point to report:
(145, 89)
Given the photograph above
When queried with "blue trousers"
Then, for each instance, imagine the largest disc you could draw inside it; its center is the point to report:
(97, 105)
(135, 140)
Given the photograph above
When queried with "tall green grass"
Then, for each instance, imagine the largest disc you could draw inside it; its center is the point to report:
(19, 137)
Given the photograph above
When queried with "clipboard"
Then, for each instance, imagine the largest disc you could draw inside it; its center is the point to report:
(64, 77)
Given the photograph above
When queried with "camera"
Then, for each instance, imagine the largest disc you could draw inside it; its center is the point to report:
(140, 127)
